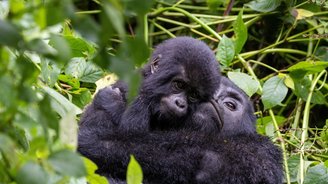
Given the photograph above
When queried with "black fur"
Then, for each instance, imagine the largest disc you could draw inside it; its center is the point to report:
(180, 59)
(188, 149)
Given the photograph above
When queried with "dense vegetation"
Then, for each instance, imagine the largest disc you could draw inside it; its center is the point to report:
(55, 54)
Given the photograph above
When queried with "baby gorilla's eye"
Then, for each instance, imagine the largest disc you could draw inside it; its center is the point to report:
(230, 105)
(178, 85)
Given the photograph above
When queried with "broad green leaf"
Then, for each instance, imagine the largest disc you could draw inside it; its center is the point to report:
(7, 149)
(32, 173)
(117, 22)
(83, 70)
(68, 130)
(302, 89)
(40, 47)
(80, 47)
(12, 35)
(49, 72)
(263, 123)
(138, 49)
(60, 104)
(134, 173)
(240, 30)
(47, 117)
(67, 163)
(214, 4)
(81, 97)
(293, 165)
(300, 69)
(92, 177)
(226, 51)
(264, 5)
(40, 15)
(317, 174)
(63, 49)
(322, 53)
(58, 11)
(16, 6)
(139, 7)
(244, 82)
(274, 92)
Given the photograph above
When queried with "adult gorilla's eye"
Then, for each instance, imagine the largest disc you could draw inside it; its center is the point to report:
(178, 85)
(230, 105)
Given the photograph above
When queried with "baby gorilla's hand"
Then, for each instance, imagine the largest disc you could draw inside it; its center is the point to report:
(209, 166)
(111, 98)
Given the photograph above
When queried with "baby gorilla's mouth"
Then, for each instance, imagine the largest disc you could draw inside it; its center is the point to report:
(220, 122)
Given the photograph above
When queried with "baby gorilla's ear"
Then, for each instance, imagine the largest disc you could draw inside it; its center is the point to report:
(154, 64)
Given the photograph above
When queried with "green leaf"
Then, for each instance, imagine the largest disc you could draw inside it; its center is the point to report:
(264, 123)
(240, 30)
(317, 174)
(49, 72)
(81, 97)
(84, 71)
(47, 117)
(67, 163)
(58, 11)
(302, 89)
(68, 130)
(134, 173)
(264, 5)
(7, 149)
(300, 69)
(62, 47)
(39, 46)
(60, 104)
(32, 173)
(322, 53)
(244, 82)
(11, 35)
(293, 165)
(80, 47)
(274, 92)
(117, 23)
(138, 49)
(214, 4)
(226, 51)
(139, 7)
(92, 177)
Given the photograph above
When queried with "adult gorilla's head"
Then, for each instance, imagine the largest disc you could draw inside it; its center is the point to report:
(181, 73)
(233, 110)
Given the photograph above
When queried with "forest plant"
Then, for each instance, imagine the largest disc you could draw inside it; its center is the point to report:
(55, 54)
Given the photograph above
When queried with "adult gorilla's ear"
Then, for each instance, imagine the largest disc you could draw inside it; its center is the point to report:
(154, 64)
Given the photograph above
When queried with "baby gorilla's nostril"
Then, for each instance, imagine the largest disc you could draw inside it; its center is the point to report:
(180, 103)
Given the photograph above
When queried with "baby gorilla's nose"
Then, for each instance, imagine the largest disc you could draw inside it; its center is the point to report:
(181, 103)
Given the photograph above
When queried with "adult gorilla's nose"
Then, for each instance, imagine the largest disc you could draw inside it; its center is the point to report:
(219, 113)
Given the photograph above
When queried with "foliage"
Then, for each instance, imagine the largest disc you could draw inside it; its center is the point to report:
(53, 53)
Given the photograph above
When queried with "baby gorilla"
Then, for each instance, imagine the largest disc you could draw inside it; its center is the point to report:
(237, 155)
